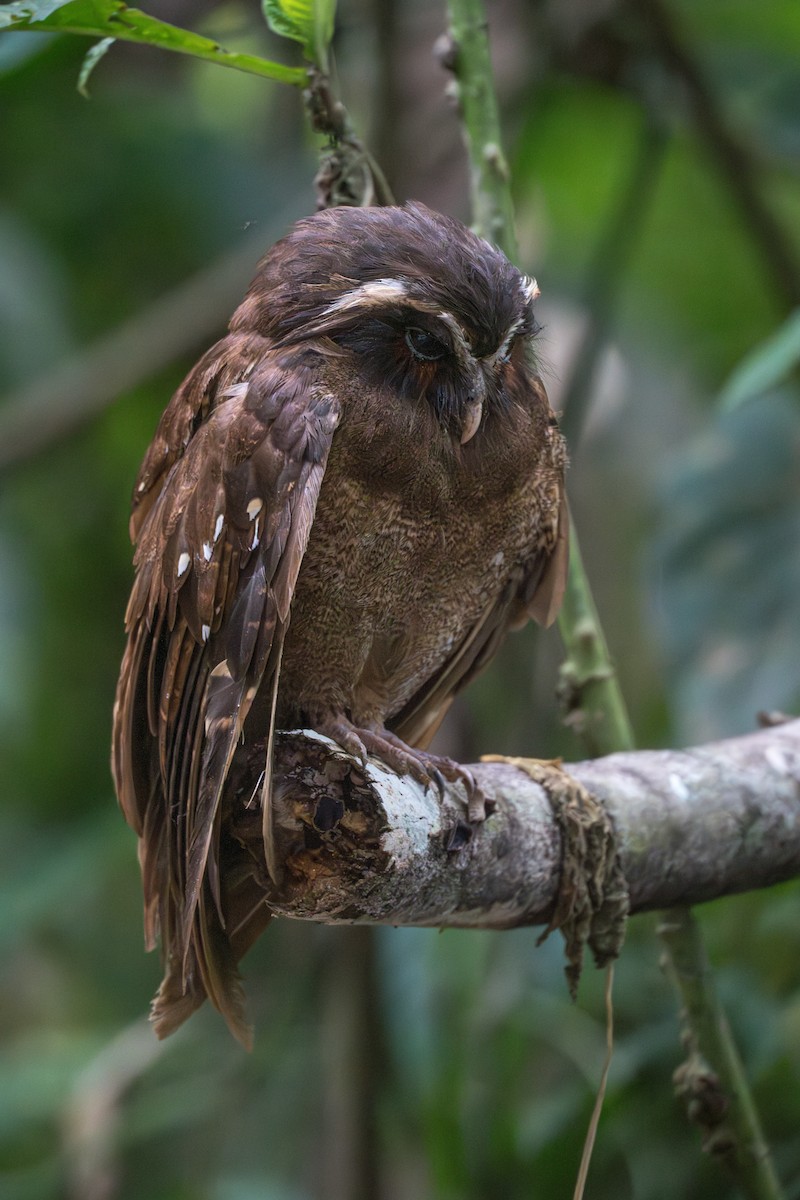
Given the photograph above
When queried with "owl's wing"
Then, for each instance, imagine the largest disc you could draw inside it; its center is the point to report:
(535, 590)
(222, 512)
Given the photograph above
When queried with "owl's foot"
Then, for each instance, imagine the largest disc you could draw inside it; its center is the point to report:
(431, 770)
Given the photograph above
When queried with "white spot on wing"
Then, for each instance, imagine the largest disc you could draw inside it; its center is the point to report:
(218, 526)
(183, 564)
(254, 507)
(205, 630)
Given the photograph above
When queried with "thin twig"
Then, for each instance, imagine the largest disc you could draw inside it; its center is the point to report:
(348, 173)
(589, 689)
(711, 1080)
(468, 59)
(591, 1134)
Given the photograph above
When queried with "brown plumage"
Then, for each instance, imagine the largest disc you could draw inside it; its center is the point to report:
(347, 504)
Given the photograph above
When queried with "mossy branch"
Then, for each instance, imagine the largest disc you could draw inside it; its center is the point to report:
(360, 843)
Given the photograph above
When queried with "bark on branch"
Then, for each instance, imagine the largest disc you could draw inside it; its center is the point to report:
(361, 845)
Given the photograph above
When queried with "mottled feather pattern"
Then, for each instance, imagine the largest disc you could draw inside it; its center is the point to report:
(218, 553)
(335, 529)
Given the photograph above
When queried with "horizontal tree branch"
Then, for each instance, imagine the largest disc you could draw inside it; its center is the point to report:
(360, 844)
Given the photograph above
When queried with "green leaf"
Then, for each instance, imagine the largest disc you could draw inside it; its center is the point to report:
(35, 10)
(309, 22)
(768, 365)
(93, 56)
(114, 19)
(292, 19)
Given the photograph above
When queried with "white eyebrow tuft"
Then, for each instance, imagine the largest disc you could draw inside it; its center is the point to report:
(376, 291)
(530, 289)
(460, 343)
(501, 353)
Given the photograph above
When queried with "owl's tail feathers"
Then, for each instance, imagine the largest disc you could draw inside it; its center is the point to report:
(172, 1005)
(206, 967)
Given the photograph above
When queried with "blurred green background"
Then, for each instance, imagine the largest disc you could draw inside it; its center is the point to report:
(656, 165)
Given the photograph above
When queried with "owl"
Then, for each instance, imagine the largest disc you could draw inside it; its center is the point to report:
(347, 504)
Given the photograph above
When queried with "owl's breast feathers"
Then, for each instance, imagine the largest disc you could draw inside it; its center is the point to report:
(415, 571)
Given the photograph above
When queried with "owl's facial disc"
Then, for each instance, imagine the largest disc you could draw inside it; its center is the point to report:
(407, 340)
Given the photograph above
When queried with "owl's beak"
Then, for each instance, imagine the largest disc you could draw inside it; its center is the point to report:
(473, 410)
(472, 419)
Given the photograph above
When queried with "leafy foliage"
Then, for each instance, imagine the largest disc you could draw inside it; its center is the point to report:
(309, 22)
(114, 19)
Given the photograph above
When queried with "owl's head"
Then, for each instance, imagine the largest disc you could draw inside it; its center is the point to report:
(432, 312)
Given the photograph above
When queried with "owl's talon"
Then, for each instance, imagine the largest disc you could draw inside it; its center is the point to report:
(429, 770)
(439, 782)
(347, 737)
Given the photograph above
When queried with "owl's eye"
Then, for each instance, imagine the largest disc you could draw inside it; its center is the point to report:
(424, 345)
